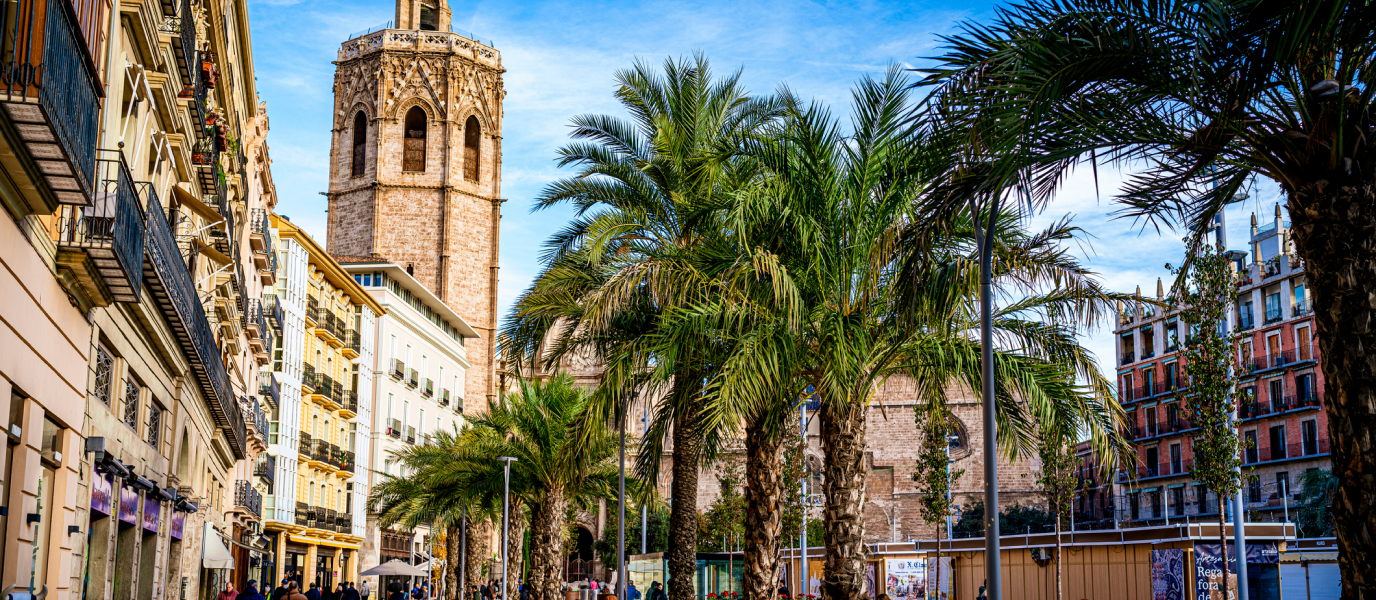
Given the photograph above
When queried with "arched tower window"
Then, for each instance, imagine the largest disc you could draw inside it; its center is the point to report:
(360, 144)
(472, 134)
(429, 18)
(413, 155)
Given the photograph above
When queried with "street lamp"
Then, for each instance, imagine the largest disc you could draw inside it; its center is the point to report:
(506, 506)
(621, 505)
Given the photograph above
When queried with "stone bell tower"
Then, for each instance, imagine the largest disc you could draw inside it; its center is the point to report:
(416, 165)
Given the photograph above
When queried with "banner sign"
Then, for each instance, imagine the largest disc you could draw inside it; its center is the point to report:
(945, 592)
(1168, 574)
(102, 494)
(178, 524)
(128, 504)
(1208, 565)
(905, 578)
(152, 510)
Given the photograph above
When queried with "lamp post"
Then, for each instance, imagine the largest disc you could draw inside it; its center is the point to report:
(644, 509)
(463, 554)
(506, 507)
(983, 231)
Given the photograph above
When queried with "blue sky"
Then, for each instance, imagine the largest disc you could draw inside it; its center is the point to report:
(560, 59)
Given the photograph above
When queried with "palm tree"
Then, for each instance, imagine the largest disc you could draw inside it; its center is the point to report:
(554, 472)
(842, 287)
(645, 194)
(1200, 98)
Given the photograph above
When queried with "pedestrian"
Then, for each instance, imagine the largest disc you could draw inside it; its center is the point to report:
(474, 594)
(416, 592)
(280, 593)
(338, 593)
(657, 591)
(350, 593)
(228, 593)
(631, 592)
(251, 591)
(783, 589)
(367, 591)
(314, 593)
(294, 591)
(523, 588)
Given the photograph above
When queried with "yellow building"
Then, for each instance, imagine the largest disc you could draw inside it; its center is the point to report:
(320, 425)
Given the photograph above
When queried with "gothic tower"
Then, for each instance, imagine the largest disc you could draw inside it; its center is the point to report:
(416, 165)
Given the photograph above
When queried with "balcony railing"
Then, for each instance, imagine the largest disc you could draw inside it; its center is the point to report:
(444, 398)
(174, 292)
(429, 388)
(351, 401)
(355, 341)
(398, 369)
(254, 415)
(303, 514)
(414, 379)
(1299, 450)
(266, 467)
(306, 444)
(272, 307)
(1128, 358)
(326, 386)
(312, 308)
(1301, 309)
(410, 435)
(245, 496)
(51, 91)
(394, 429)
(1274, 315)
(112, 230)
(321, 451)
(309, 379)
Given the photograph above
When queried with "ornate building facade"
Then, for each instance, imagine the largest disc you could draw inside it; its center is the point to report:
(415, 165)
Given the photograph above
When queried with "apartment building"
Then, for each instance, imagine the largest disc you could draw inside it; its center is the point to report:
(134, 158)
(319, 432)
(418, 375)
(1281, 419)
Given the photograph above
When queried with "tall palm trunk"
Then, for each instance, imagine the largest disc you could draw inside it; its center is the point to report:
(514, 550)
(478, 534)
(1335, 233)
(843, 436)
(547, 530)
(683, 514)
(764, 513)
(452, 540)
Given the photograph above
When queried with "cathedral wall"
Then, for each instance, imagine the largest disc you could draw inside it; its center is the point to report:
(410, 237)
(350, 229)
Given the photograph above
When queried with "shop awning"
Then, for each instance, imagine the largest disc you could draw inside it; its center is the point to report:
(214, 554)
(323, 542)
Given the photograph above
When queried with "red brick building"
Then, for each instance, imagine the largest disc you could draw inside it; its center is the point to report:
(1282, 419)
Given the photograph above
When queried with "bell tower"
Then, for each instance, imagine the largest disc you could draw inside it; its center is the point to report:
(415, 165)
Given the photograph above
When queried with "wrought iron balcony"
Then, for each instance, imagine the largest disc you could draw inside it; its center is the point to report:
(272, 307)
(394, 428)
(309, 379)
(174, 293)
(246, 497)
(111, 231)
(266, 467)
(398, 369)
(303, 514)
(321, 451)
(312, 309)
(306, 444)
(51, 92)
(414, 379)
(351, 401)
(254, 415)
(444, 398)
(410, 435)
(429, 388)
(326, 387)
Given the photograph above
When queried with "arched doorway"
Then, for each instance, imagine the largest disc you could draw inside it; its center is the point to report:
(578, 565)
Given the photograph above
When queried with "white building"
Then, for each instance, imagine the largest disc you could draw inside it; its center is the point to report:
(418, 373)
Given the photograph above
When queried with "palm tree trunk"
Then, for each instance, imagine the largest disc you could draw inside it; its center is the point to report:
(1335, 233)
(477, 551)
(763, 512)
(936, 591)
(514, 550)
(451, 554)
(683, 514)
(843, 436)
(547, 530)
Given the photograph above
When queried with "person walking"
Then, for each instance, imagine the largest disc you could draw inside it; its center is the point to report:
(350, 593)
(313, 594)
(294, 591)
(631, 592)
(367, 591)
(280, 592)
(657, 591)
(251, 591)
(228, 593)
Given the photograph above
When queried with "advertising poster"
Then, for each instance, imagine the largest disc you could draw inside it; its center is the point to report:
(905, 578)
(870, 576)
(102, 494)
(1168, 574)
(152, 510)
(814, 577)
(945, 591)
(128, 505)
(178, 524)
(1209, 568)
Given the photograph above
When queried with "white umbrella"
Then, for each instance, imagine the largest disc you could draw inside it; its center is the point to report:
(394, 567)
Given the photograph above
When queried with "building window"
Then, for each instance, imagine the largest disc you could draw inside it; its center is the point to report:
(105, 372)
(131, 403)
(1273, 312)
(413, 153)
(154, 424)
(1254, 489)
(472, 138)
(1245, 316)
(1201, 495)
(1148, 343)
(1172, 336)
(1172, 376)
(1278, 442)
(1273, 351)
(1303, 345)
(1249, 440)
(1126, 393)
(1277, 388)
(360, 144)
(1148, 382)
(1309, 434)
(1283, 484)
